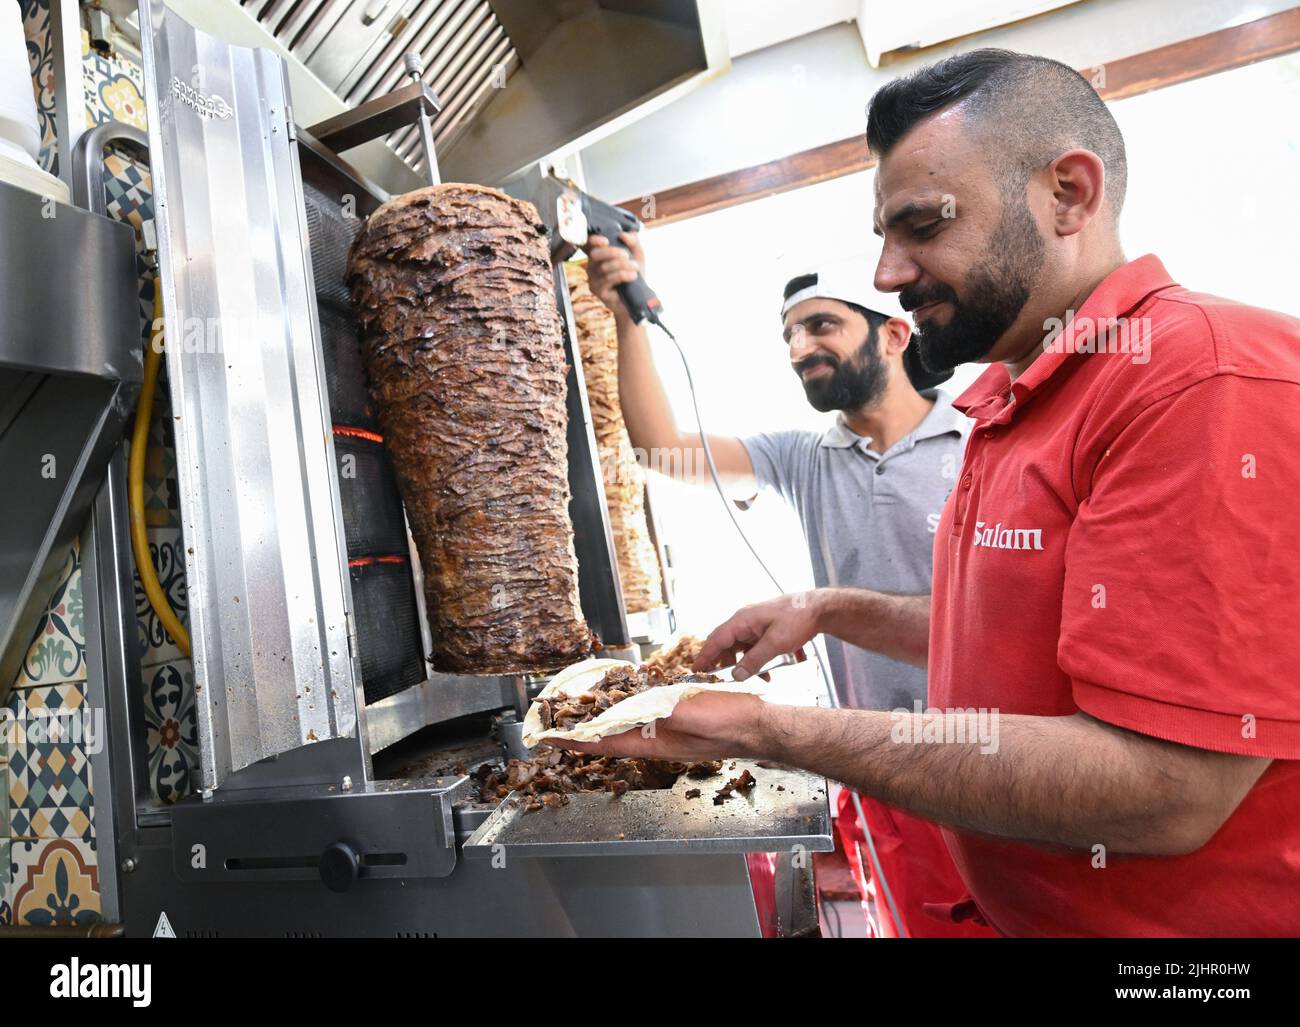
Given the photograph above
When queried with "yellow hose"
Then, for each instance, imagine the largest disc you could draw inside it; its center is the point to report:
(135, 482)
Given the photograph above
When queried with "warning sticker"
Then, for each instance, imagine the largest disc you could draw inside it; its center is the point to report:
(164, 928)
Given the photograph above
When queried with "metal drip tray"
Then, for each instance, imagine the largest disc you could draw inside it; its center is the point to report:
(786, 808)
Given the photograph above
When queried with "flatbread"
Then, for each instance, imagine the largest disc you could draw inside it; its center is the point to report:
(633, 712)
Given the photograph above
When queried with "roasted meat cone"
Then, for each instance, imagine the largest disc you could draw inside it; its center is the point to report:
(463, 348)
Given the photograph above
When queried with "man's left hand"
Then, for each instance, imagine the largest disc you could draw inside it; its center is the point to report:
(707, 726)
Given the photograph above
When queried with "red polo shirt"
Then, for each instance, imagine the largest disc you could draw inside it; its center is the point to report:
(1122, 541)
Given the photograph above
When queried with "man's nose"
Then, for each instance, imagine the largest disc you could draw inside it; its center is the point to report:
(801, 345)
(895, 269)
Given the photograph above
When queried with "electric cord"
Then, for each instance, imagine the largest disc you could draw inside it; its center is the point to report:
(878, 871)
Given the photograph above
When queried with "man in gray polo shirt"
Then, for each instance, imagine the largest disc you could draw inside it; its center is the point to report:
(869, 515)
(869, 490)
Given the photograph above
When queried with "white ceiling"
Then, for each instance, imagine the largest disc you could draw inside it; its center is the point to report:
(756, 24)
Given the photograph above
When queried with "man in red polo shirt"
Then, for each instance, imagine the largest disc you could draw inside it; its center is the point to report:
(1114, 732)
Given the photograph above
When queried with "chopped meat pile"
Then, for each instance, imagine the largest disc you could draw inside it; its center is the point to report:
(550, 777)
(677, 658)
(563, 712)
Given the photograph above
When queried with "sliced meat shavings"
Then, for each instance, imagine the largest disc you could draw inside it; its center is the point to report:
(550, 777)
(742, 783)
(677, 658)
(560, 772)
(564, 712)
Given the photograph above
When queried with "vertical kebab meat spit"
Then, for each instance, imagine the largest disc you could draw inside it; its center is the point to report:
(638, 560)
(463, 348)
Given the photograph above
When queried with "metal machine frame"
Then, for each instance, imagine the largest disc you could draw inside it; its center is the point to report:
(70, 369)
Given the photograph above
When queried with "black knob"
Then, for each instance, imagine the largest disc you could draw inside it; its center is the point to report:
(339, 866)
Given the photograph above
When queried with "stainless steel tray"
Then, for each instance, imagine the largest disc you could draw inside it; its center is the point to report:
(787, 808)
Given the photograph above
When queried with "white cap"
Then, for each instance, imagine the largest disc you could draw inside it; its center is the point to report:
(849, 281)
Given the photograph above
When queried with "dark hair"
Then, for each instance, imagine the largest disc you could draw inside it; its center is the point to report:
(1028, 110)
(800, 282)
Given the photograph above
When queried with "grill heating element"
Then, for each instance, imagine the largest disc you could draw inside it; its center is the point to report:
(374, 524)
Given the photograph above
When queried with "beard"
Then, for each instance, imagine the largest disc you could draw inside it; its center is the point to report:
(852, 384)
(997, 289)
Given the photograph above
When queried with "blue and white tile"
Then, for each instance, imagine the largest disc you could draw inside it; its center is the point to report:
(48, 781)
(172, 730)
(167, 551)
(57, 652)
(40, 58)
(55, 883)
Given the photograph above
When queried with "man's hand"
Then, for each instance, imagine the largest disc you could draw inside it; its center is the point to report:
(609, 266)
(761, 633)
(707, 726)
(896, 626)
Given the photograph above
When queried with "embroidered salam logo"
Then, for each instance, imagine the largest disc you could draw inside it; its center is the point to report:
(206, 106)
(998, 537)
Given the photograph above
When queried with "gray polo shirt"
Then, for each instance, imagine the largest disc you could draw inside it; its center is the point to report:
(870, 520)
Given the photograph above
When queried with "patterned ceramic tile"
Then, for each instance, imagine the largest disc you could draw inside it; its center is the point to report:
(58, 649)
(55, 883)
(128, 195)
(166, 547)
(172, 730)
(130, 190)
(114, 86)
(40, 56)
(49, 783)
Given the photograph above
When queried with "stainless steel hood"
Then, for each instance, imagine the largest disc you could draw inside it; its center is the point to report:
(518, 79)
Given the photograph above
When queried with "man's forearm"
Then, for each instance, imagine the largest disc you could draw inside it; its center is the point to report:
(653, 430)
(1063, 781)
(646, 410)
(894, 625)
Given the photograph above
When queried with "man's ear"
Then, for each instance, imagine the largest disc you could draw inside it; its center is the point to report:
(894, 334)
(1077, 179)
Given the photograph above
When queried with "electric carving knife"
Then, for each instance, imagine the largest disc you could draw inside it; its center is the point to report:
(578, 216)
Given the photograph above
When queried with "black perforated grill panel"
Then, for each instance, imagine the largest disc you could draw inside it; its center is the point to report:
(383, 591)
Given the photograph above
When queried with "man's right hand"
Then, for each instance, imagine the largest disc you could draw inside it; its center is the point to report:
(892, 625)
(646, 410)
(609, 266)
(761, 632)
